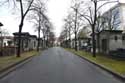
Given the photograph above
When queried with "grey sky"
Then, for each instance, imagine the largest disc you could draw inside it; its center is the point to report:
(57, 10)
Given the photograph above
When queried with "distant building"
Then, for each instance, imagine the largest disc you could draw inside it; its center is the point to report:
(33, 42)
(73, 43)
(83, 43)
(42, 44)
(28, 42)
(6, 41)
(118, 14)
(111, 40)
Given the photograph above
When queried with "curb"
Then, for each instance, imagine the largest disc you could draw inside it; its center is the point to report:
(14, 66)
(118, 76)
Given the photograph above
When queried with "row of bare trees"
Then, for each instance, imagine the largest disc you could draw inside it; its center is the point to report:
(42, 23)
(89, 13)
(35, 11)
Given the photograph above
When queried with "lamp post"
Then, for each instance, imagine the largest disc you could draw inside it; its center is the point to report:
(1, 33)
(1, 38)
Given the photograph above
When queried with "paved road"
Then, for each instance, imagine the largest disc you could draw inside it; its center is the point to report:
(57, 65)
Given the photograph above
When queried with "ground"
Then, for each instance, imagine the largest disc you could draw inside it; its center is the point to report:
(56, 65)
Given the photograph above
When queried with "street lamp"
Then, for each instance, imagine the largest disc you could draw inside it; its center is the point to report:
(1, 37)
(1, 33)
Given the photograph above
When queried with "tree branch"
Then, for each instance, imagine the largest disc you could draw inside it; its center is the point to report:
(105, 4)
(28, 9)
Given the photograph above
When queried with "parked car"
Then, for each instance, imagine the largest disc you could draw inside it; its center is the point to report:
(88, 48)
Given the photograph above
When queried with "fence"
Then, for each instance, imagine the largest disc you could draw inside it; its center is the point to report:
(7, 51)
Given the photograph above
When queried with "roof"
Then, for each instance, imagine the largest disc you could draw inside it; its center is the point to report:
(84, 38)
(7, 37)
(108, 31)
(33, 36)
(112, 31)
(23, 33)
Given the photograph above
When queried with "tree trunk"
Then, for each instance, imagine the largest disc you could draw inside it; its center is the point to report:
(47, 41)
(44, 43)
(93, 41)
(38, 39)
(69, 40)
(19, 40)
(76, 30)
(65, 41)
(76, 41)
(38, 45)
(93, 29)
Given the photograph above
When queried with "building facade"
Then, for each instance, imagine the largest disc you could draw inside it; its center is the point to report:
(6, 41)
(33, 42)
(111, 40)
(28, 42)
(116, 17)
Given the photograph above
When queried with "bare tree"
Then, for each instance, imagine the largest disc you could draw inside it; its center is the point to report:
(100, 25)
(65, 35)
(37, 25)
(63, 38)
(77, 21)
(68, 27)
(37, 18)
(111, 20)
(25, 6)
(48, 27)
(91, 16)
(51, 39)
(23, 15)
(83, 33)
(4, 32)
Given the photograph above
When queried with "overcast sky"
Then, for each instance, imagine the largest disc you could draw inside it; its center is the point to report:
(57, 10)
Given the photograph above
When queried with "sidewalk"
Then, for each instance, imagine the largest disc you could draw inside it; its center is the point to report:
(8, 62)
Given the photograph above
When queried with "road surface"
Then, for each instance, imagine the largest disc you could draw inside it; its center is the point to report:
(57, 65)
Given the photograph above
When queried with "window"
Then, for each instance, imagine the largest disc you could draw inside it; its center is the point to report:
(123, 37)
(116, 38)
